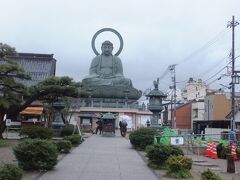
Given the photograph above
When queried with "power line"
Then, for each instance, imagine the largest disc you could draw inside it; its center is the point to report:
(212, 67)
(216, 73)
(208, 44)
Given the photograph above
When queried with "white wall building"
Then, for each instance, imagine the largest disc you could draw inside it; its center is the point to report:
(194, 90)
(198, 110)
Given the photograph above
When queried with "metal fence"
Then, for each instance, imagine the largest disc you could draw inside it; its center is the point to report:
(197, 143)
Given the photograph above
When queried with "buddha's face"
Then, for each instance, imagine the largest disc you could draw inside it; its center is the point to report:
(107, 49)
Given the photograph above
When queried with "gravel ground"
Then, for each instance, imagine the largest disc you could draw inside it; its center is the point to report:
(219, 166)
(7, 156)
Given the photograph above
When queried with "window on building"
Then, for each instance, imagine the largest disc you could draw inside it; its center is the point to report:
(195, 113)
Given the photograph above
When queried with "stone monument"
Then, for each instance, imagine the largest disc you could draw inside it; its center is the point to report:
(105, 80)
(155, 104)
(57, 124)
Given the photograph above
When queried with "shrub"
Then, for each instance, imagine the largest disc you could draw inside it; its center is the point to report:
(3, 143)
(37, 132)
(142, 137)
(74, 139)
(238, 152)
(179, 166)
(10, 172)
(67, 131)
(36, 154)
(222, 151)
(64, 146)
(209, 175)
(159, 153)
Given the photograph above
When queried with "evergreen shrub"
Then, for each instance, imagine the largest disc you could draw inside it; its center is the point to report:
(142, 137)
(209, 175)
(10, 172)
(222, 151)
(159, 153)
(179, 166)
(37, 132)
(36, 154)
(238, 152)
(67, 131)
(64, 146)
(74, 139)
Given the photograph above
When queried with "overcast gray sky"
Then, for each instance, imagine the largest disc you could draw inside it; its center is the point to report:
(156, 34)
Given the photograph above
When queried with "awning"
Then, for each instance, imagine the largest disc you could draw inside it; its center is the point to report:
(89, 114)
(32, 111)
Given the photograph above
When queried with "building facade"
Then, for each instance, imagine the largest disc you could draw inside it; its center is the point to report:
(198, 121)
(38, 66)
(217, 107)
(183, 116)
(88, 116)
(194, 90)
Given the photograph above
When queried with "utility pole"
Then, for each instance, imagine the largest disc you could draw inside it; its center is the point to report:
(208, 113)
(173, 76)
(232, 25)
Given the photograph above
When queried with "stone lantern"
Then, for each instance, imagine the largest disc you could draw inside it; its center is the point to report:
(58, 123)
(155, 104)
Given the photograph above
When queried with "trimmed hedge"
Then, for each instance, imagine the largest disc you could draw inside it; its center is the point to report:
(67, 131)
(222, 151)
(10, 172)
(209, 175)
(64, 146)
(36, 154)
(238, 152)
(74, 139)
(179, 166)
(37, 132)
(159, 153)
(142, 137)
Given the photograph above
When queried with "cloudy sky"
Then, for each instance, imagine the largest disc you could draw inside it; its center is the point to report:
(156, 34)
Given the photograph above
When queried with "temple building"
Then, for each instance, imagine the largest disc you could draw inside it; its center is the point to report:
(38, 66)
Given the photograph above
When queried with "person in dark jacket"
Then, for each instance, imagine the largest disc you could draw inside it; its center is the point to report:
(123, 127)
(99, 126)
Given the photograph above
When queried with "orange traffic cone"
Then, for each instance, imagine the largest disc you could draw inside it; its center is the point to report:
(208, 152)
(214, 151)
(233, 152)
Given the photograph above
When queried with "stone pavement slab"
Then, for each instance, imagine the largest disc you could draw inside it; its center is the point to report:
(102, 158)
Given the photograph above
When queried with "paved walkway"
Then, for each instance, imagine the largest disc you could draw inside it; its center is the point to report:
(102, 158)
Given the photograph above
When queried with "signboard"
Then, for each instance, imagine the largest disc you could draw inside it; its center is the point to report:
(8, 122)
(177, 140)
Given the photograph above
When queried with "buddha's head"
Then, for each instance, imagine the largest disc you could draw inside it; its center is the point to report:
(107, 48)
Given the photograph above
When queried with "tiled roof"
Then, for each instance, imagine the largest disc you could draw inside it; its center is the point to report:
(38, 66)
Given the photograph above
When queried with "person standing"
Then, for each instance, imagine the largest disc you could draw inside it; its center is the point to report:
(123, 127)
(99, 126)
